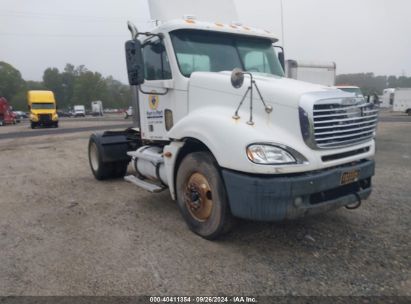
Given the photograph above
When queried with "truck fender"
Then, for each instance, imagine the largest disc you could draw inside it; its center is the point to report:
(171, 153)
(113, 146)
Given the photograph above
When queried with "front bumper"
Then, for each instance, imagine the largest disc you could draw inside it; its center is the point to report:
(276, 198)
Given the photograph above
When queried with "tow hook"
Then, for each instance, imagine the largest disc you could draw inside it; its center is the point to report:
(355, 205)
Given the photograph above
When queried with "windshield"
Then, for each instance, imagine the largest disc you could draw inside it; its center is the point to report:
(215, 52)
(38, 106)
(356, 91)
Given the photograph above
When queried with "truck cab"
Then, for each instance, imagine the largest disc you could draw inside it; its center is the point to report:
(221, 128)
(7, 115)
(43, 109)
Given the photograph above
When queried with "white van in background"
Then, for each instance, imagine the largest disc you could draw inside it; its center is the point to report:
(79, 110)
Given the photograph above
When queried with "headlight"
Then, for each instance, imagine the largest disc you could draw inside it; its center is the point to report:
(33, 117)
(269, 155)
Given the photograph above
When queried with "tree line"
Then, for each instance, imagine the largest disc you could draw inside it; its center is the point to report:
(371, 84)
(79, 86)
(72, 86)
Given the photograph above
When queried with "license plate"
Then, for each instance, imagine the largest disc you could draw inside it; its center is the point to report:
(350, 177)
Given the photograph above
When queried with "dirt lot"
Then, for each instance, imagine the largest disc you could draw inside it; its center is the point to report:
(64, 233)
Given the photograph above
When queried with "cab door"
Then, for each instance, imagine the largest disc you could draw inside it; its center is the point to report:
(157, 95)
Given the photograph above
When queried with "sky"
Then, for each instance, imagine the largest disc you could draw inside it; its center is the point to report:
(359, 35)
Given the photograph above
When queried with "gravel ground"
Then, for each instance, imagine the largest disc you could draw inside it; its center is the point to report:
(64, 233)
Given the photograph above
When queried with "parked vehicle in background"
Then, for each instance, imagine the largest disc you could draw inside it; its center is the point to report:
(388, 98)
(64, 113)
(79, 111)
(315, 72)
(43, 109)
(21, 114)
(7, 117)
(128, 113)
(402, 100)
(249, 143)
(97, 108)
(351, 89)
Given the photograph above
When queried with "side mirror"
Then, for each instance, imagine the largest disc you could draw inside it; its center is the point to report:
(135, 62)
(281, 59)
(280, 54)
(237, 78)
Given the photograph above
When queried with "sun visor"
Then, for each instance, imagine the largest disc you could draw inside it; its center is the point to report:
(204, 10)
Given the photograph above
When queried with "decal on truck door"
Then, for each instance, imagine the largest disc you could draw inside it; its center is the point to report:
(153, 102)
(154, 115)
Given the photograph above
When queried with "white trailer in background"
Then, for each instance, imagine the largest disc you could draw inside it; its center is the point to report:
(315, 72)
(97, 108)
(387, 98)
(402, 100)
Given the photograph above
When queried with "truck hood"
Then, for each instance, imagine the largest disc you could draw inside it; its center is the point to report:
(274, 89)
(212, 120)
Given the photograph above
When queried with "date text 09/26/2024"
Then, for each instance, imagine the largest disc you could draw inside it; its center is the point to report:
(220, 299)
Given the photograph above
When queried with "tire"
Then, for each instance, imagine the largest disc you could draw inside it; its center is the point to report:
(56, 124)
(33, 125)
(103, 170)
(202, 197)
(409, 112)
(126, 115)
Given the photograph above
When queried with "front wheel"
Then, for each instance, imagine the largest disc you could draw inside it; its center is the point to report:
(201, 196)
(409, 112)
(33, 125)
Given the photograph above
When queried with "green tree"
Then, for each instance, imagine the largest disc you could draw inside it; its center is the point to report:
(11, 81)
(52, 80)
(68, 79)
(88, 86)
(118, 94)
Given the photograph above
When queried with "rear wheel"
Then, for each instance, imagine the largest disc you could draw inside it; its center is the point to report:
(409, 112)
(202, 197)
(104, 170)
(33, 125)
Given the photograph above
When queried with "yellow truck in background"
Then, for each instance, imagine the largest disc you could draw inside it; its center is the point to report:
(43, 109)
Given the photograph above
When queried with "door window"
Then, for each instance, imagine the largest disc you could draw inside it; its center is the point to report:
(156, 64)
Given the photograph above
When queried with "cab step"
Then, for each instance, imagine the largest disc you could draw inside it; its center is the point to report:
(145, 184)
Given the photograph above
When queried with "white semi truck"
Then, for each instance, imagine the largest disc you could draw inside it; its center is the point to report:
(220, 127)
(388, 98)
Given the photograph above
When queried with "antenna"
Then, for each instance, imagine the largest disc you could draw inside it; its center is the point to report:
(282, 22)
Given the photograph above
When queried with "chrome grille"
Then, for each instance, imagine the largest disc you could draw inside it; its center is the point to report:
(343, 124)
